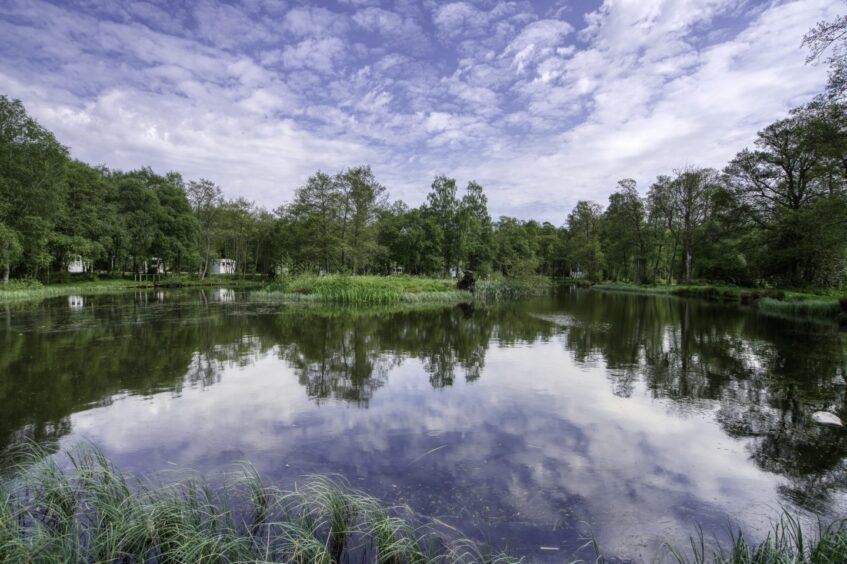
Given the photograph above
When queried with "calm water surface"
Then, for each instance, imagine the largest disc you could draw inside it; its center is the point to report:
(629, 418)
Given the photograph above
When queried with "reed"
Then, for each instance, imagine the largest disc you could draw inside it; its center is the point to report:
(364, 290)
(804, 309)
(497, 288)
(788, 542)
(78, 508)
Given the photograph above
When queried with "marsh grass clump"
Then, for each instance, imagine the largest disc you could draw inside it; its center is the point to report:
(364, 290)
(788, 542)
(76, 507)
(497, 288)
(803, 309)
(382, 290)
(632, 288)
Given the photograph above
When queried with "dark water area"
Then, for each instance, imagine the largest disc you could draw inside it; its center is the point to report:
(629, 419)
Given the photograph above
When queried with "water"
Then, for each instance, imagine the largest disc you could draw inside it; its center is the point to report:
(629, 419)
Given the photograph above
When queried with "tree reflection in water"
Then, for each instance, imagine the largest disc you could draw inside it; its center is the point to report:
(762, 378)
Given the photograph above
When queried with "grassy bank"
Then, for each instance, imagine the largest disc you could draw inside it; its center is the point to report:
(21, 291)
(823, 305)
(364, 290)
(79, 508)
(369, 290)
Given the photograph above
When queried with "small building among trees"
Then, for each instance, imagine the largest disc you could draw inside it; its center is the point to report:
(222, 266)
(77, 265)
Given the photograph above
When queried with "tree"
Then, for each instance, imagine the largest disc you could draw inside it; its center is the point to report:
(364, 197)
(88, 223)
(177, 241)
(796, 174)
(624, 231)
(412, 240)
(690, 196)
(584, 248)
(832, 37)
(443, 207)
(315, 219)
(476, 230)
(32, 168)
(205, 199)
(515, 247)
(141, 216)
(727, 242)
(780, 172)
(10, 249)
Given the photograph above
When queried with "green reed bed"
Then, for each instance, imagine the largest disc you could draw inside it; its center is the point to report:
(634, 289)
(808, 309)
(81, 509)
(364, 290)
(496, 288)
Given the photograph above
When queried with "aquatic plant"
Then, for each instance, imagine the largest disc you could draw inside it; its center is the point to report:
(808, 309)
(364, 290)
(76, 507)
(788, 542)
(496, 288)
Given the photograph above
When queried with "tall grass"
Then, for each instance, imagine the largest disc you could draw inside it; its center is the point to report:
(77, 507)
(81, 509)
(498, 288)
(806, 309)
(631, 288)
(365, 290)
(788, 542)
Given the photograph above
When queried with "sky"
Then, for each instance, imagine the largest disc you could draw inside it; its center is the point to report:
(544, 103)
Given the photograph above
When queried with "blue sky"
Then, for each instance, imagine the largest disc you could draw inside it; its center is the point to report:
(543, 102)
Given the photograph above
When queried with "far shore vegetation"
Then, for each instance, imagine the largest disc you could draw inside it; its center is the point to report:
(77, 507)
(775, 216)
(809, 304)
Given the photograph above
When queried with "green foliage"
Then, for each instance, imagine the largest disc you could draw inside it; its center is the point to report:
(498, 288)
(788, 542)
(364, 290)
(85, 510)
(584, 248)
(777, 216)
(32, 167)
(808, 309)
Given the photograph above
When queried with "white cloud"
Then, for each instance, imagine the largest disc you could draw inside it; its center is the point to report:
(318, 54)
(314, 21)
(541, 113)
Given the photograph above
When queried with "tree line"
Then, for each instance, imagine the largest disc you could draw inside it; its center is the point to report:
(776, 214)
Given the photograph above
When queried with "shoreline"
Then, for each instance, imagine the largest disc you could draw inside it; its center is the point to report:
(65, 497)
(791, 304)
(20, 293)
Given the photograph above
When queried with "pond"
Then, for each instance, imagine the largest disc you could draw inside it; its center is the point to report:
(534, 425)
